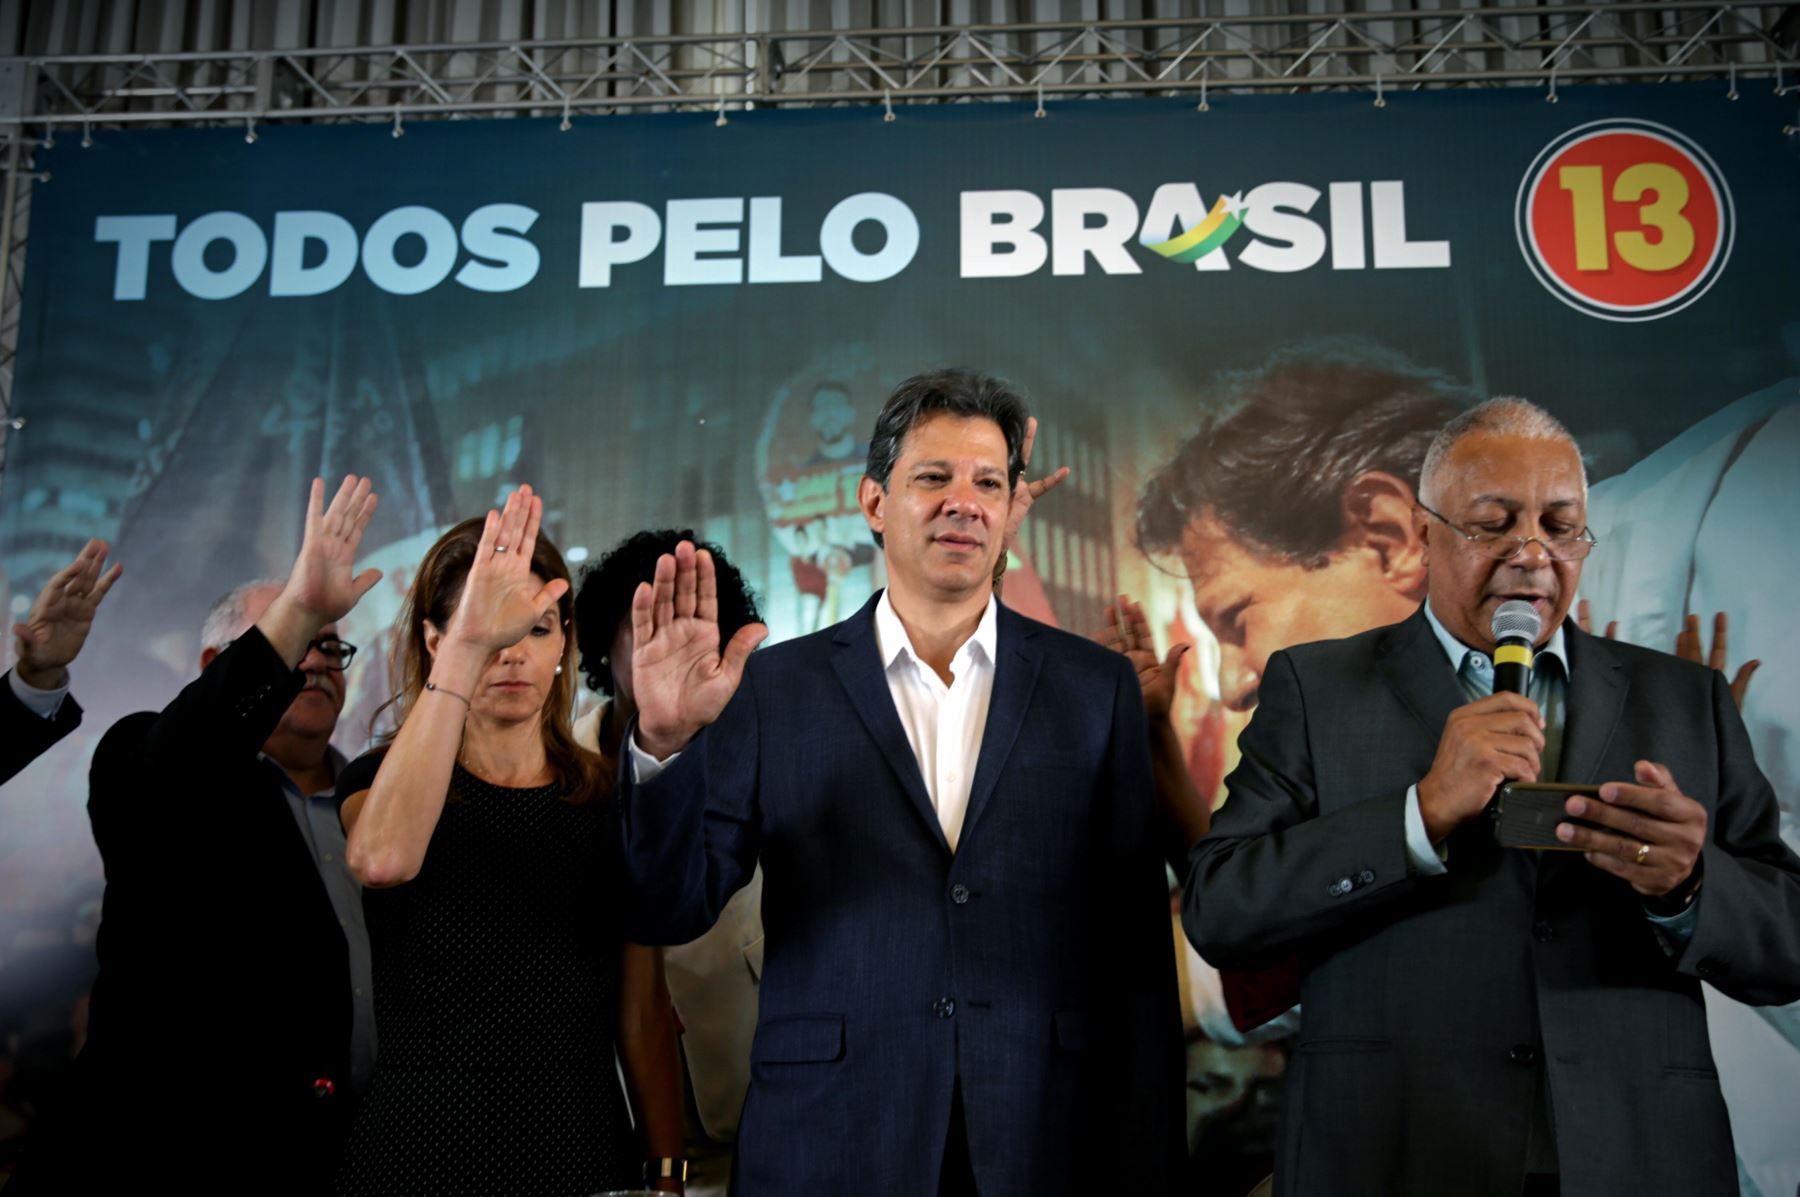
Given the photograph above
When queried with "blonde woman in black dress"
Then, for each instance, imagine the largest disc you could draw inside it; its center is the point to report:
(502, 982)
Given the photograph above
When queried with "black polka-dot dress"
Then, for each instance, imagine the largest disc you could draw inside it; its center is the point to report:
(496, 1004)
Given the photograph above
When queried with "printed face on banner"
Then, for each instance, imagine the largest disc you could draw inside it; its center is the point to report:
(810, 457)
(943, 512)
(1256, 604)
(1512, 486)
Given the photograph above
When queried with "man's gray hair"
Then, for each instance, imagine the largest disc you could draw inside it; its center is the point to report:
(1503, 415)
(225, 619)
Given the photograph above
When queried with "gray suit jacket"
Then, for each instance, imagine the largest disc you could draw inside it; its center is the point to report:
(1432, 1003)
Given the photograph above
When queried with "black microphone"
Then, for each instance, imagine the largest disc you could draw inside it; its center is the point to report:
(1516, 626)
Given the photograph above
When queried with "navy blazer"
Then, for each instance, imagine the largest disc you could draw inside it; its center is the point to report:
(1433, 1003)
(1033, 964)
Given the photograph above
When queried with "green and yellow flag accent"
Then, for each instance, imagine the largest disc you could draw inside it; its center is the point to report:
(1225, 219)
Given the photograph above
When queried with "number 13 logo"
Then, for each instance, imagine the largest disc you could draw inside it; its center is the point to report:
(1624, 220)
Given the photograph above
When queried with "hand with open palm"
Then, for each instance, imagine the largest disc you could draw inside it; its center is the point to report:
(57, 625)
(323, 586)
(501, 600)
(1025, 493)
(680, 677)
(1127, 631)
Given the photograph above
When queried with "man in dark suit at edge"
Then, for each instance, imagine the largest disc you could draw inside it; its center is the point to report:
(220, 1041)
(35, 707)
(967, 983)
(1480, 1019)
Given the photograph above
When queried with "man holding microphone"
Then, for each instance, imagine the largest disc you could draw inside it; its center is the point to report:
(1485, 1019)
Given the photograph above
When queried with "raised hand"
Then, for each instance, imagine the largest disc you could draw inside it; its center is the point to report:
(680, 677)
(1687, 647)
(323, 583)
(1026, 493)
(322, 587)
(57, 625)
(1128, 631)
(501, 600)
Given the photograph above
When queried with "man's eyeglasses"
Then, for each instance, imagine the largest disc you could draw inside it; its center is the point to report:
(1501, 547)
(338, 652)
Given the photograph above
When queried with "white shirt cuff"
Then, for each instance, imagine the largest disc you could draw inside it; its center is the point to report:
(1428, 859)
(43, 703)
(645, 767)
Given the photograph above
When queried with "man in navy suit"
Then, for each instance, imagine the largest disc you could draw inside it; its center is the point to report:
(968, 985)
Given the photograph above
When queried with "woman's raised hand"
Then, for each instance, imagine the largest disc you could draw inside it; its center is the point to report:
(501, 600)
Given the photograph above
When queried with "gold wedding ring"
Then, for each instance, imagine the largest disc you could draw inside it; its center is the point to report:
(1643, 853)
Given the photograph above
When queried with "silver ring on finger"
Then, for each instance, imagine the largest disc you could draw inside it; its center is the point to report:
(499, 548)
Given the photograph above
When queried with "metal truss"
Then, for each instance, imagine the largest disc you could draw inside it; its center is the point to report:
(1486, 44)
(15, 219)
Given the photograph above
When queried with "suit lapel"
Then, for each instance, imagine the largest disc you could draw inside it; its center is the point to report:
(1018, 659)
(1413, 664)
(858, 665)
(1596, 698)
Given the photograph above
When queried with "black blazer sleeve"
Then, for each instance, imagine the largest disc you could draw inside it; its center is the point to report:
(217, 723)
(26, 735)
(1746, 941)
(1271, 871)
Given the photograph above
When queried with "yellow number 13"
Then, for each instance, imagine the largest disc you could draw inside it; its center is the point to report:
(1673, 246)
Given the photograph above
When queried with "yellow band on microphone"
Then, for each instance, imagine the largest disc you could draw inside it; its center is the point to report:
(1513, 654)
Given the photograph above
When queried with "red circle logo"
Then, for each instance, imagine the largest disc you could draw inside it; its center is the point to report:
(1625, 220)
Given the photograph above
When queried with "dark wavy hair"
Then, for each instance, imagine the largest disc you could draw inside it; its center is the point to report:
(1273, 466)
(607, 586)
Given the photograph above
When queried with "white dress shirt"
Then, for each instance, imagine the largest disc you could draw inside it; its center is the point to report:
(943, 724)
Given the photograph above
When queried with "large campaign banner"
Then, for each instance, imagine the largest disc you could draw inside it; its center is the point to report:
(1223, 315)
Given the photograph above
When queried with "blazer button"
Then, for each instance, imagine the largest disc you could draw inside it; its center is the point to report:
(1522, 1053)
(1542, 931)
(1712, 966)
(959, 894)
(1367, 877)
(943, 1007)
